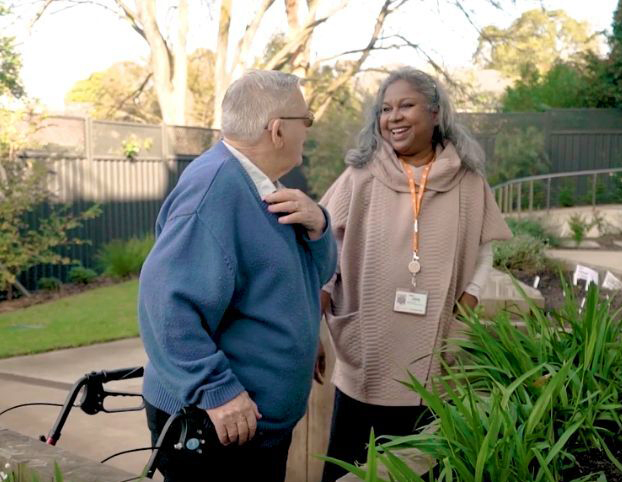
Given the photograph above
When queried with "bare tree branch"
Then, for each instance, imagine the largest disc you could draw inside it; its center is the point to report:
(388, 7)
(132, 95)
(440, 70)
(41, 11)
(249, 34)
(132, 18)
(301, 36)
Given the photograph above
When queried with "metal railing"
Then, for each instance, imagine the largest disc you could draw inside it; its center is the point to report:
(509, 195)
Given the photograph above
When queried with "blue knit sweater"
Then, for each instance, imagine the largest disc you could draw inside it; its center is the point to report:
(229, 298)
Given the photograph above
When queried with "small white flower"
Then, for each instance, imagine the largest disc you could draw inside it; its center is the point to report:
(3, 476)
(7, 465)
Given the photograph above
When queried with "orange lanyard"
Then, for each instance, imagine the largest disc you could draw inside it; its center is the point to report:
(417, 199)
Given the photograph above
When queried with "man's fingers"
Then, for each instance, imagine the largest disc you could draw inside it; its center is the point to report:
(282, 195)
(232, 432)
(284, 207)
(251, 421)
(294, 218)
(257, 414)
(221, 431)
(243, 431)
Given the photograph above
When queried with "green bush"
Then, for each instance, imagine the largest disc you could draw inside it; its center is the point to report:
(566, 194)
(49, 283)
(521, 403)
(522, 252)
(82, 275)
(519, 152)
(121, 259)
(533, 228)
(579, 227)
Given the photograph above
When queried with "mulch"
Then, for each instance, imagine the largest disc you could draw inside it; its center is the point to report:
(41, 296)
(551, 288)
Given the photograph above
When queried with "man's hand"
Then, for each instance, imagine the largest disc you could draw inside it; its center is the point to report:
(320, 364)
(301, 208)
(236, 420)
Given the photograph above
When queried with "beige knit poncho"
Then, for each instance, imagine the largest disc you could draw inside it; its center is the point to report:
(371, 216)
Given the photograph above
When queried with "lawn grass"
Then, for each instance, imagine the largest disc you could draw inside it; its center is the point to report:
(97, 315)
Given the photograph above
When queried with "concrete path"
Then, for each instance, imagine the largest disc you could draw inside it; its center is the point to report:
(598, 259)
(47, 377)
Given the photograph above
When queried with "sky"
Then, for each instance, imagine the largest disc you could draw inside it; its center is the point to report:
(67, 46)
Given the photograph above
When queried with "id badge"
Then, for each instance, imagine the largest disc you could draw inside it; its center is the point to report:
(414, 303)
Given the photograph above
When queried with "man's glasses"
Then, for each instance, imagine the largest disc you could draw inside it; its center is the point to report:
(307, 119)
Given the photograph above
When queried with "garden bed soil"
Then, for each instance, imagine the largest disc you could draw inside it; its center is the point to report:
(42, 296)
(594, 461)
(551, 288)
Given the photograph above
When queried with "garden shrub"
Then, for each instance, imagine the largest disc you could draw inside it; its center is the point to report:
(82, 275)
(522, 252)
(49, 283)
(532, 227)
(521, 404)
(579, 226)
(121, 259)
(566, 194)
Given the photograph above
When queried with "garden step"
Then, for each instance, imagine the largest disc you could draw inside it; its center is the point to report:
(601, 260)
(500, 293)
(586, 243)
(29, 457)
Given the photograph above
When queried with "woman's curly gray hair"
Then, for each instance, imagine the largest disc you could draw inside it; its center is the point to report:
(448, 128)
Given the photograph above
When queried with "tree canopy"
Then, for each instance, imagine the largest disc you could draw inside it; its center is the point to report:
(10, 62)
(538, 39)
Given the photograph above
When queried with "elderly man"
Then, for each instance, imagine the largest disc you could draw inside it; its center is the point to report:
(229, 303)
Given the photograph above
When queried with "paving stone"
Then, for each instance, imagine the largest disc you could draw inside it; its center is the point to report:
(27, 456)
(585, 244)
(500, 293)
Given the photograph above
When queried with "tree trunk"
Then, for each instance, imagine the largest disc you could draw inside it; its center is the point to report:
(169, 69)
(221, 80)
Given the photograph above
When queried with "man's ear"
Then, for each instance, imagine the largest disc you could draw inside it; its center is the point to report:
(276, 133)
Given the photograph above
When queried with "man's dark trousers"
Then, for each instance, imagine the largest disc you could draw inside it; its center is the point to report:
(262, 458)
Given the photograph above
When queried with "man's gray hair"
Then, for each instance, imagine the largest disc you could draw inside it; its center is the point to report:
(255, 98)
(448, 128)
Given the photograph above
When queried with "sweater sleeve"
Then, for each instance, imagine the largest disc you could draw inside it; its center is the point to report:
(186, 285)
(324, 250)
(336, 201)
(482, 271)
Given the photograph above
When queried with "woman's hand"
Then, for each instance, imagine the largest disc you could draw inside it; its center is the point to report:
(468, 300)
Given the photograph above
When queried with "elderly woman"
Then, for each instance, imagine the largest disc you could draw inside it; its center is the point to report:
(414, 219)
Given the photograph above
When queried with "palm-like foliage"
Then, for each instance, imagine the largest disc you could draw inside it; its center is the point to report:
(521, 401)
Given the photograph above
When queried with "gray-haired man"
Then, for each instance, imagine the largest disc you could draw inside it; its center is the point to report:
(229, 296)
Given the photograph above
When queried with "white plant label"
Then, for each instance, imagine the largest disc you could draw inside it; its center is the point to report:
(611, 282)
(586, 274)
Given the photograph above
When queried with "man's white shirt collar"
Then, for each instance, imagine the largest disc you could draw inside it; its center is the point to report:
(262, 182)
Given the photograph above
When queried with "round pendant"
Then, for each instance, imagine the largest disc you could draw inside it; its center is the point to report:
(414, 266)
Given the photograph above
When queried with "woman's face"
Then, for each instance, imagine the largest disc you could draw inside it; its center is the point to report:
(405, 119)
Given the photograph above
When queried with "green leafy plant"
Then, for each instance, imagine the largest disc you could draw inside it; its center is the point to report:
(579, 227)
(532, 227)
(121, 259)
(522, 252)
(49, 283)
(521, 403)
(24, 188)
(518, 153)
(82, 275)
(566, 194)
(132, 146)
